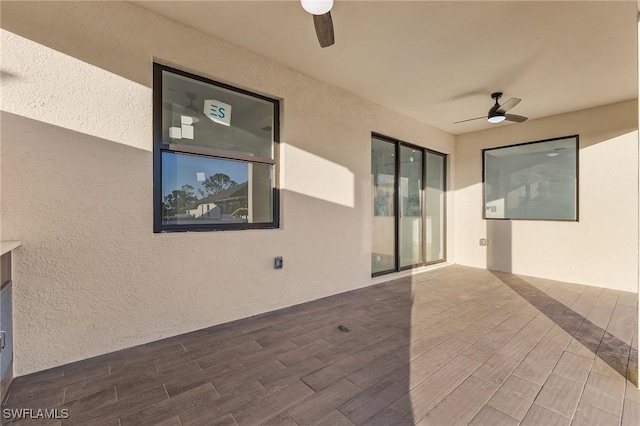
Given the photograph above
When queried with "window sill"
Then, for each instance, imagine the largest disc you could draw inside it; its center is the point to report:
(7, 246)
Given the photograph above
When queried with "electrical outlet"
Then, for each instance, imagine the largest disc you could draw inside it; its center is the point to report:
(483, 241)
(278, 262)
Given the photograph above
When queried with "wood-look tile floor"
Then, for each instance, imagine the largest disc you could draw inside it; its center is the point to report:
(455, 345)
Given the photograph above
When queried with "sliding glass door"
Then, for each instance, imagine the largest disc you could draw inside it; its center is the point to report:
(383, 185)
(435, 200)
(408, 201)
(411, 214)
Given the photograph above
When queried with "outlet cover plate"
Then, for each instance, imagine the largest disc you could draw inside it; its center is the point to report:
(278, 262)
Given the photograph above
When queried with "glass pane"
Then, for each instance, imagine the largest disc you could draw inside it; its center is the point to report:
(204, 190)
(383, 170)
(410, 206)
(532, 181)
(435, 207)
(197, 113)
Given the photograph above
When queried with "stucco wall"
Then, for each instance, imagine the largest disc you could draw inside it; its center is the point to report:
(602, 248)
(77, 185)
(638, 189)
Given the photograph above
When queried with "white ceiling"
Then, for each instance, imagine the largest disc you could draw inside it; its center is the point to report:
(438, 62)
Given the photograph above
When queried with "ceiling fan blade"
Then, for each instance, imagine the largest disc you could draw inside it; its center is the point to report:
(515, 118)
(324, 29)
(471, 119)
(509, 104)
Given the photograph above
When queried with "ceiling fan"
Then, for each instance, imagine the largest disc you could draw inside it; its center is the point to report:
(497, 112)
(320, 9)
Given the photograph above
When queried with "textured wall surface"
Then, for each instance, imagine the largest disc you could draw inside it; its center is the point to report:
(91, 276)
(602, 248)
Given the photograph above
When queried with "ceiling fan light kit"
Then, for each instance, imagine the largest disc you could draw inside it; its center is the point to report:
(317, 7)
(496, 118)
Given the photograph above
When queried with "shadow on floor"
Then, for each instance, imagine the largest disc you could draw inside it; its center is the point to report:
(296, 364)
(607, 347)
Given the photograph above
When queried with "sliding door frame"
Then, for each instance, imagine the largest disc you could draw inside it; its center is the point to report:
(423, 203)
(396, 209)
(445, 159)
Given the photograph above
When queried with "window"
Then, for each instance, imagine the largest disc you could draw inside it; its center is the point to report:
(214, 155)
(408, 206)
(535, 181)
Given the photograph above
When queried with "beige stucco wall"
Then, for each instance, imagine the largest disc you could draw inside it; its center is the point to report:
(602, 248)
(638, 282)
(77, 185)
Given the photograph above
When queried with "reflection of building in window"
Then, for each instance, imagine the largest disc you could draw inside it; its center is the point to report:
(222, 205)
(212, 211)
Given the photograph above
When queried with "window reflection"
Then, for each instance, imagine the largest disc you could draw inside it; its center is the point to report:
(198, 189)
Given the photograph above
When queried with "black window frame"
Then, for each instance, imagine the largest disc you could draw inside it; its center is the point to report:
(160, 146)
(484, 202)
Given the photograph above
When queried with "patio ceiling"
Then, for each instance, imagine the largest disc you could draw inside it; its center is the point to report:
(438, 62)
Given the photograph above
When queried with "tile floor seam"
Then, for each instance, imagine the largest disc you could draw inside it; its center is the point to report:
(510, 316)
(583, 387)
(624, 394)
(261, 385)
(428, 332)
(492, 395)
(167, 392)
(604, 409)
(305, 383)
(573, 380)
(532, 401)
(539, 390)
(530, 350)
(624, 407)
(497, 409)
(440, 367)
(555, 412)
(612, 311)
(233, 417)
(608, 320)
(386, 406)
(451, 391)
(547, 379)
